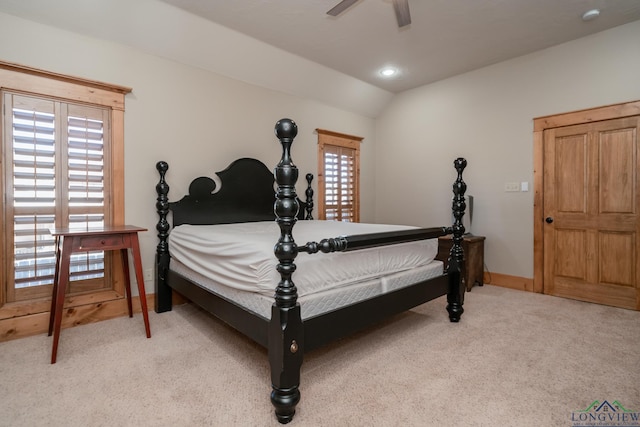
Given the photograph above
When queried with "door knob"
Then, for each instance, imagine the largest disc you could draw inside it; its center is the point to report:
(549, 220)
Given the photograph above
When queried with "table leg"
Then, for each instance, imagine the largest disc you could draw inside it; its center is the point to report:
(127, 279)
(63, 279)
(55, 285)
(137, 263)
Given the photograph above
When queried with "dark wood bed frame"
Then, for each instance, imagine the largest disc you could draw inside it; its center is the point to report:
(247, 194)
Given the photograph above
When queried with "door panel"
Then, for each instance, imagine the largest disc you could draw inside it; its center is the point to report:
(617, 189)
(570, 251)
(591, 243)
(571, 157)
(617, 255)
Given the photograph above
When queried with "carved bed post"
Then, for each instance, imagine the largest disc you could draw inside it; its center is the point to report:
(285, 339)
(163, 291)
(455, 296)
(309, 194)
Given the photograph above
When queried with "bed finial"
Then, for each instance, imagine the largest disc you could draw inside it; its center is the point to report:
(286, 130)
(455, 297)
(309, 194)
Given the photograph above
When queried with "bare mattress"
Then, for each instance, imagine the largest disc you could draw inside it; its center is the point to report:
(237, 262)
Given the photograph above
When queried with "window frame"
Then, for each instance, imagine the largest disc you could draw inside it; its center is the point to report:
(20, 79)
(327, 138)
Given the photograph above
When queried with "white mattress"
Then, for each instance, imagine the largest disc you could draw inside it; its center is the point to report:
(320, 302)
(237, 261)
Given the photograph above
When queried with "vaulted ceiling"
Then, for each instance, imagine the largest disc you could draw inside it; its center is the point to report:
(445, 37)
(293, 46)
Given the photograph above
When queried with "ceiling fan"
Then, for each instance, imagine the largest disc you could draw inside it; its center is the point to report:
(400, 6)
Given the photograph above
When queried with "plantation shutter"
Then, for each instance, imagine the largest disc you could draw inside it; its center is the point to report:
(57, 179)
(338, 176)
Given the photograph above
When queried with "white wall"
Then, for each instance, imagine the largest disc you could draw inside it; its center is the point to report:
(486, 117)
(199, 121)
(195, 120)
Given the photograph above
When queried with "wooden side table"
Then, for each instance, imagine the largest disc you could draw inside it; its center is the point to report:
(473, 247)
(106, 238)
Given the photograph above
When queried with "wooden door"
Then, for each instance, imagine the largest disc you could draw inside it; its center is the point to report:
(591, 230)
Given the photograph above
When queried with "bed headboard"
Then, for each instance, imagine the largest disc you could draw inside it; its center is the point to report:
(246, 194)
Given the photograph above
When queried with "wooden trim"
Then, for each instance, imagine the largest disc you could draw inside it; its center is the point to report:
(586, 116)
(4, 226)
(25, 308)
(339, 135)
(541, 124)
(116, 175)
(507, 281)
(117, 166)
(11, 66)
(67, 90)
(38, 323)
(538, 213)
(31, 81)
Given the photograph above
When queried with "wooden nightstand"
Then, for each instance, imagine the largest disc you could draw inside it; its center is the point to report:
(120, 238)
(473, 268)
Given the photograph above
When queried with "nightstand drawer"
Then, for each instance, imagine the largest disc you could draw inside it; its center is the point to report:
(102, 242)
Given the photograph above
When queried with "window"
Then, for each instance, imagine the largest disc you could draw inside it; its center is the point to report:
(61, 160)
(57, 173)
(338, 176)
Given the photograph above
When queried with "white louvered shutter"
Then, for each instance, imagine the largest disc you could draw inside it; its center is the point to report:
(338, 176)
(56, 179)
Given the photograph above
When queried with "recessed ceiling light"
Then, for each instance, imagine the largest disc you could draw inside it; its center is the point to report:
(590, 15)
(388, 72)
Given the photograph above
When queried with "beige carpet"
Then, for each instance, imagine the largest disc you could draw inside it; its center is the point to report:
(515, 359)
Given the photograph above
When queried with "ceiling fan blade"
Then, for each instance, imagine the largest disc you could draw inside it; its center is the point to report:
(341, 7)
(402, 12)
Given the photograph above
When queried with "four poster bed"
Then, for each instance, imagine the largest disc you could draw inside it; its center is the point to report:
(221, 250)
